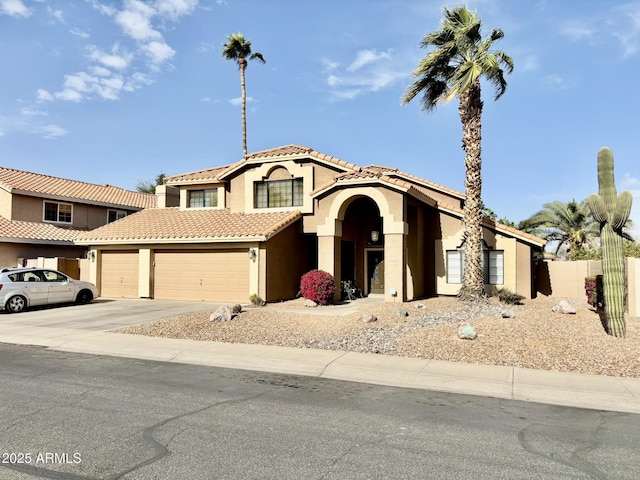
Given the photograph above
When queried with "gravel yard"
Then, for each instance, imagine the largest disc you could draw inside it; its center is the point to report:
(536, 338)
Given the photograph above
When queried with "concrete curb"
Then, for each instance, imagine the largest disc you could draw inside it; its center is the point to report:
(557, 388)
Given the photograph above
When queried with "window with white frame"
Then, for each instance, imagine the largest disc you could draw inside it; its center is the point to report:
(58, 212)
(278, 193)
(492, 262)
(113, 215)
(203, 198)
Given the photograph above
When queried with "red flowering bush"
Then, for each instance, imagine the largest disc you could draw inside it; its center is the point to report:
(594, 289)
(318, 285)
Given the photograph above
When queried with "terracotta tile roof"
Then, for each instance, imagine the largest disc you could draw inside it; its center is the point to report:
(200, 176)
(37, 184)
(284, 152)
(191, 225)
(33, 232)
(394, 172)
(501, 227)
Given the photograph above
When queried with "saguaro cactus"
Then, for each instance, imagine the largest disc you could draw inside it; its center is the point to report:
(612, 212)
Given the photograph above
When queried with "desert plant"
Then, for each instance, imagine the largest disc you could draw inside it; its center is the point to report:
(593, 289)
(611, 212)
(256, 300)
(510, 298)
(319, 286)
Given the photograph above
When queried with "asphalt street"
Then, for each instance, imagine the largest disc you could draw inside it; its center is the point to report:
(77, 416)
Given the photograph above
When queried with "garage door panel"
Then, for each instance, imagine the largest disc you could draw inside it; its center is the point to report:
(119, 277)
(221, 275)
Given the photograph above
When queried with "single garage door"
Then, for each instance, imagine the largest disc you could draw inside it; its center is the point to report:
(214, 276)
(119, 278)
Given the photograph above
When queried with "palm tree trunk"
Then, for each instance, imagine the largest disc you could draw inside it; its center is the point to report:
(242, 62)
(470, 110)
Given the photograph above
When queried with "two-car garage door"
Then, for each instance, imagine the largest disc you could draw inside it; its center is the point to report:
(221, 275)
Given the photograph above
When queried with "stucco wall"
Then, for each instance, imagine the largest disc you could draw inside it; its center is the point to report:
(31, 209)
(5, 204)
(517, 258)
(11, 252)
(286, 262)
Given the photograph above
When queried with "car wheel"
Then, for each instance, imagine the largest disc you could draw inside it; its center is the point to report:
(85, 296)
(16, 304)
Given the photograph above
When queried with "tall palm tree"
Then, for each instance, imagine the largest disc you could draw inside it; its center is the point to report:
(238, 49)
(453, 69)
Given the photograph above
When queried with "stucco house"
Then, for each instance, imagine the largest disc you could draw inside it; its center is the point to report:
(256, 226)
(41, 215)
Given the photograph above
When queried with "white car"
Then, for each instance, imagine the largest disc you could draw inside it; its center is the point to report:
(28, 287)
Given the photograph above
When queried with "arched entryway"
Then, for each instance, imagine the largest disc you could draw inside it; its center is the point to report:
(362, 246)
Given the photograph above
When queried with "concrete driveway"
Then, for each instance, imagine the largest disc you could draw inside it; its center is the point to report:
(103, 314)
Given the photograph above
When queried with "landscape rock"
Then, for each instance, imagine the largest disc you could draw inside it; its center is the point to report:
(368, 318)
(222, 314)
(467, 332)
(402, 313)
(310, 303)
(420, 306)
(508, 313)
(236, 309)
(564, 307)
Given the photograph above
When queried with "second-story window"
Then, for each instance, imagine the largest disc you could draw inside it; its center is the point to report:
(113, 215)
(203, 198)
(58, 212)
(278, 193)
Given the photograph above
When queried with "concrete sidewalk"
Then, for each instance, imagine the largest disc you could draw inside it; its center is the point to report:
(586, 391)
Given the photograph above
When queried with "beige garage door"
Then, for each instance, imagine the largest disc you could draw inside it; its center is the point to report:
(214, 276)
(119, 278)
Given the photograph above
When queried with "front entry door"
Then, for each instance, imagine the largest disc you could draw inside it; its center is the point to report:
(375, 271)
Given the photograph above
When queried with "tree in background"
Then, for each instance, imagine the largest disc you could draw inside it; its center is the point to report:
(453, 69)
(238, 49)
(149, 186)
(568, 227)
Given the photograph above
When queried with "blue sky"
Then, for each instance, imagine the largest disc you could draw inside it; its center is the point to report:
(118, 91)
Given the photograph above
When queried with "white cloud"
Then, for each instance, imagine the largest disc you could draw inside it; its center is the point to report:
(238, 101)
(115, 59)
(159, 52)
(366, 57)
(52, 131)
(370, 71)
(135, 20)
(557, 82)
(173, 9)
(43, 95)
(57, 14)
(32, 112)
(79, 33)
(618, 25)
(14, 8)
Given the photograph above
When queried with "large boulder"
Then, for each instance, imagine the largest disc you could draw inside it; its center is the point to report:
(222, 314)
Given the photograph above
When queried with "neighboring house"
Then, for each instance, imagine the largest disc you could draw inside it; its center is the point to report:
(256, 226)
(41, 215)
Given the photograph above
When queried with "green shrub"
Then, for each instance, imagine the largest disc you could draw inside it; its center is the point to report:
(255, 300)
(510, 298)
(318, 286)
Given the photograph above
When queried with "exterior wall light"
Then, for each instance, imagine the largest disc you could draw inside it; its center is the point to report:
(253, 254)
(375, 236)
